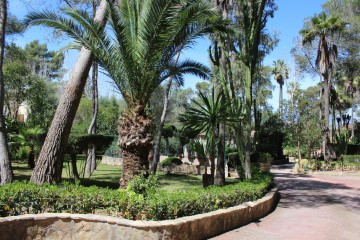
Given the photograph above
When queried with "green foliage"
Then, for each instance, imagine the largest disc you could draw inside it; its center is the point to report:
(170, 161)
(271, 136)
(23, 197)
(143, 185)
(350, 162)
(265, 157)
(79, 143)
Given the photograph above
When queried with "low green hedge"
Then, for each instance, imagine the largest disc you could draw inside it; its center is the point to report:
(167, 162)
(23, 197)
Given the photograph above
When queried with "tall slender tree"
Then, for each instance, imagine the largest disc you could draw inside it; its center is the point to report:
(49, 164)
(252, 19)
(139, 56)
(5, 165)
(91, 156)
(281, 72)
(322, 27)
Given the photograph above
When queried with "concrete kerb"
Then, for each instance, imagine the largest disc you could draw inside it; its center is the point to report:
(89, 226)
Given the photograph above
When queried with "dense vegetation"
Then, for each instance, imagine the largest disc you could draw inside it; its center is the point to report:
(139, 45)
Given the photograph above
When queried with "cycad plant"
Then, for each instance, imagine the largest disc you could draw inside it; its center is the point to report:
(139, 55)
(322, 27)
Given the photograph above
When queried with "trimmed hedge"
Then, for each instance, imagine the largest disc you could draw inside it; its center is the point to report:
(170, 161)
(23, 197)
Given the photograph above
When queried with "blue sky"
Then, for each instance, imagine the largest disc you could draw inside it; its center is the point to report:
(288, 20)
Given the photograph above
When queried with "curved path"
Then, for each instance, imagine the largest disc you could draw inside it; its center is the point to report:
(314, 207)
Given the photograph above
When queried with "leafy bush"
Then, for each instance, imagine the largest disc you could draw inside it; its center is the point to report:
(170, 162)
(23, 197)
(350, 162)
(265, 157)
(143, 185)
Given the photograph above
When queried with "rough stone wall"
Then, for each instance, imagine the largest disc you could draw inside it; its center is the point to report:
(87, 226)
(111, 161)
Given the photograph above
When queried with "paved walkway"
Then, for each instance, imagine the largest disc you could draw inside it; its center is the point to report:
(312, 207)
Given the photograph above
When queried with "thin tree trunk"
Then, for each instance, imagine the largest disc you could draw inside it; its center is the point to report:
(48, 167)
(5, 164)
(280, 99)
(91, 156)
(326, 127)
(220, 163)
(247, 129)
(212, 154)
(352, 120)
(156, 157)
(74, 167)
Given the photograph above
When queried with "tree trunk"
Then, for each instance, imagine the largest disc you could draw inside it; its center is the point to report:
(220, 163)
(352, 120)
(326, 127)
(280, 98)
(156, 157)
(74, 167)
(247, 129)
(135, 141)
(91, 156)
(31, 158)
(48, 167)
(212, 154)
(5, 164)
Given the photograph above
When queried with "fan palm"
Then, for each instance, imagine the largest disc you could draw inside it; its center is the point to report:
(205, 115)
(281, 72)
(321, 27)
(139, 55)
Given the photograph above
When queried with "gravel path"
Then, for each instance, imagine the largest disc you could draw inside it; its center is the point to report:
(312, 207)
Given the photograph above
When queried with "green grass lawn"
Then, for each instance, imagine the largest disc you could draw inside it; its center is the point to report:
(108, 176)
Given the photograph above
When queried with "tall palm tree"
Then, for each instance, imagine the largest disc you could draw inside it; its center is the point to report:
(281, 72)
(321, 27)
(5, 166)
(139, 56)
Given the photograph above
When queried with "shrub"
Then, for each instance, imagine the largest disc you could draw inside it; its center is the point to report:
(170, 162)
(265, 157)
(23, 197)
(350, 162)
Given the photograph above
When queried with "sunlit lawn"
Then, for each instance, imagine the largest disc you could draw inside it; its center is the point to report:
(108, 176)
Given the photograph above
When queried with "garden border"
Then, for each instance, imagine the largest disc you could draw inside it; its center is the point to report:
(89, 226)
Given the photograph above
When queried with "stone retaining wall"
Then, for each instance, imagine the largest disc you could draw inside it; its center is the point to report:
(113, 161)
(86, 226)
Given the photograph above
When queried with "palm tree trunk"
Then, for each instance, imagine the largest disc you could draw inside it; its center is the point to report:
(135, 141)
(5, 164)
(326, 127)
(91, 156)
(280, 99)
(49, 164)
(156, 157)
